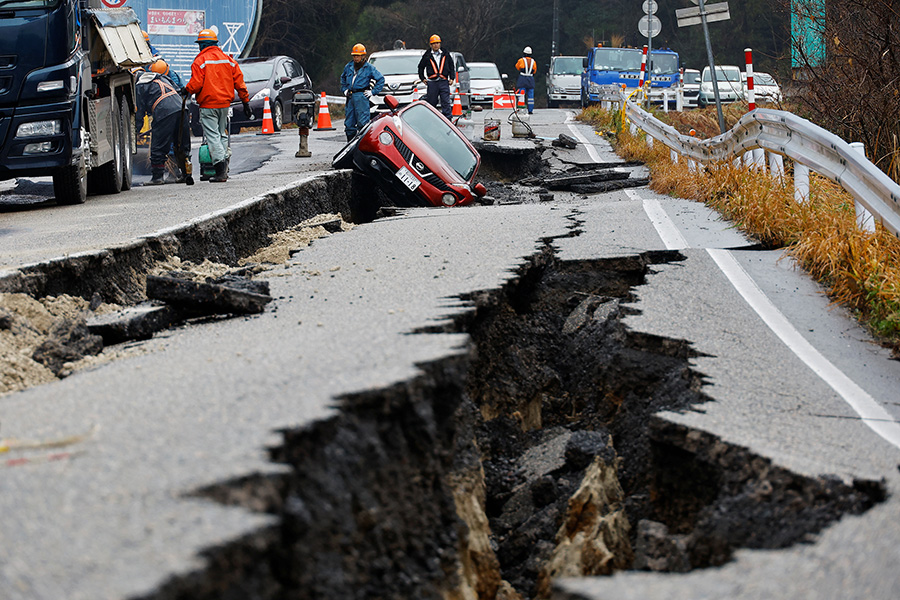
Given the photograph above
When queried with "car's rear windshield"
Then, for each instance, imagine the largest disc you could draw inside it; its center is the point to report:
(442, 137)
(396, 65)
(483, 72)
(257, 71)
(567, 65)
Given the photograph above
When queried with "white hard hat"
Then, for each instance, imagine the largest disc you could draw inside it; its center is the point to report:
(527, 50)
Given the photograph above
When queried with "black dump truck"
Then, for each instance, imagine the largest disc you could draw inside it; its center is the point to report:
(67, 94)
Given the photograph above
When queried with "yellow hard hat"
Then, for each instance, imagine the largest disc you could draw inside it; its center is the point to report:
(358, 50)
(435, 39)
(207, 35)
(146, 36)
(160, 67)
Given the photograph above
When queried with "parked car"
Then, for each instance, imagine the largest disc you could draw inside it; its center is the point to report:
(728, 80)
(564, 80)
(765, 88)
(486, 81)
(416, 156)
(690, 86)
(401, 76)
(278, 77)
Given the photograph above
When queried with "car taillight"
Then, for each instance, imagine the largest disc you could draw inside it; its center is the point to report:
(448, 199)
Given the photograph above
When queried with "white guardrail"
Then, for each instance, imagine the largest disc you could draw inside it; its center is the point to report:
(785, 134)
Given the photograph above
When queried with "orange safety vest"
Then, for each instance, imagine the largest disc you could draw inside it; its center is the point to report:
(526, 66)
(165, 90)
(438, 71)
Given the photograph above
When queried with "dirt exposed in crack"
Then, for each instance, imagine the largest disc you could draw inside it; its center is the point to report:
(533, 455)
(42, 340)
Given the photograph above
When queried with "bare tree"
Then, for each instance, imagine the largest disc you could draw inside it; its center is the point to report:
(855, 90)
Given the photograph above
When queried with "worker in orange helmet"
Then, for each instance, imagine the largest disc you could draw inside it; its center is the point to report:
(158, 98)
(215, 77)
(437, 69)
(360, 81)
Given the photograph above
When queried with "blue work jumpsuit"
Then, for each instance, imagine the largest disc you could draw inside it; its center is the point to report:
(356, 81)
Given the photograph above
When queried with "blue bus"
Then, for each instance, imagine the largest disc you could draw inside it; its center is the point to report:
(612, 67)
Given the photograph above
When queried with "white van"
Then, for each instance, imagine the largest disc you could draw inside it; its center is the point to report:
(564, 80)
(728, 78)
(401, 76)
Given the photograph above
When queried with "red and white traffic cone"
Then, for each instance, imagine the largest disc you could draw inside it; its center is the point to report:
(457, 107)
(520, 100)
(268, 127)
(323, 123)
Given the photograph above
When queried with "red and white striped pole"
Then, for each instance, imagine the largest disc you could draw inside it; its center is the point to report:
(751, 98)
(643, 67)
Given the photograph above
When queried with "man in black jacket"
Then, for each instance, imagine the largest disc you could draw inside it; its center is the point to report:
(158, 97)
(437, 69)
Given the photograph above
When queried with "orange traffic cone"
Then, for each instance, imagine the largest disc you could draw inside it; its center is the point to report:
(268, 127)
(324, 121)
(415, 94)
(457, 107)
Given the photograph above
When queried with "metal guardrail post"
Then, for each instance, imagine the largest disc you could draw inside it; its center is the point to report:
(864, 218)
(801, 183)
(776, 166)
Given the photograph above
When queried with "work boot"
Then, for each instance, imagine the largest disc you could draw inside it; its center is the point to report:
(157, 175)
(221, 172)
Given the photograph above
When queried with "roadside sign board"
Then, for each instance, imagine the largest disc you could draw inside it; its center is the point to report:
(503, 101)
(649, 7)
(649, 26)
(173, 26)
(691, 16)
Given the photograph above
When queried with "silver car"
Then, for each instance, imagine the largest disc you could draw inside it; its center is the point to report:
(728, 80)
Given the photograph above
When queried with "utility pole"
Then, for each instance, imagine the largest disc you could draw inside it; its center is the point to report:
(554, 45)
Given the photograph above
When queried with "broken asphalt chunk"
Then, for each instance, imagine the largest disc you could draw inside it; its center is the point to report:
(133, 323)
(208, 298)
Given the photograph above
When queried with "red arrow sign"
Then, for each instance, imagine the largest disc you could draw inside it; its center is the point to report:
(503, 101)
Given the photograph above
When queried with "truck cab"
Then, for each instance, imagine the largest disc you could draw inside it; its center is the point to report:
(607, 69)
(563, 80)
(66, 98)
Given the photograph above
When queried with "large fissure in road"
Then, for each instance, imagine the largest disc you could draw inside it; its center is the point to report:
(532, 454)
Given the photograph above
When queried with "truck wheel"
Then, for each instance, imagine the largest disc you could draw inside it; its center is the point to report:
(70, 184)
(126, 127)
(107, 178)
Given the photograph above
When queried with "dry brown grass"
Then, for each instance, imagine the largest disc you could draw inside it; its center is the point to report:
(860, 269)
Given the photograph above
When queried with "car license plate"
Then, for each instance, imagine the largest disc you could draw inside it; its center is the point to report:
(408, 179)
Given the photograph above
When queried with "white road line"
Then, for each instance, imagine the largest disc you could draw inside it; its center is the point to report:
(871, 413)
(570, 121)
(666, 229)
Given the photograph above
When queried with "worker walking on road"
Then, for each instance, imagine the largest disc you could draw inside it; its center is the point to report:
(158, 97)
(214, 78)
(437, 69)
(359, 82)
(526, 66)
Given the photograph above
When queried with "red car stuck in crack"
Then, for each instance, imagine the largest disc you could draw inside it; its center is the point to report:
(416, 156)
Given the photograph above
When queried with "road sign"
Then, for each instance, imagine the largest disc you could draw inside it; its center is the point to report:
(649, 26)
(692, 16)
(503, 101)
(649, 7)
